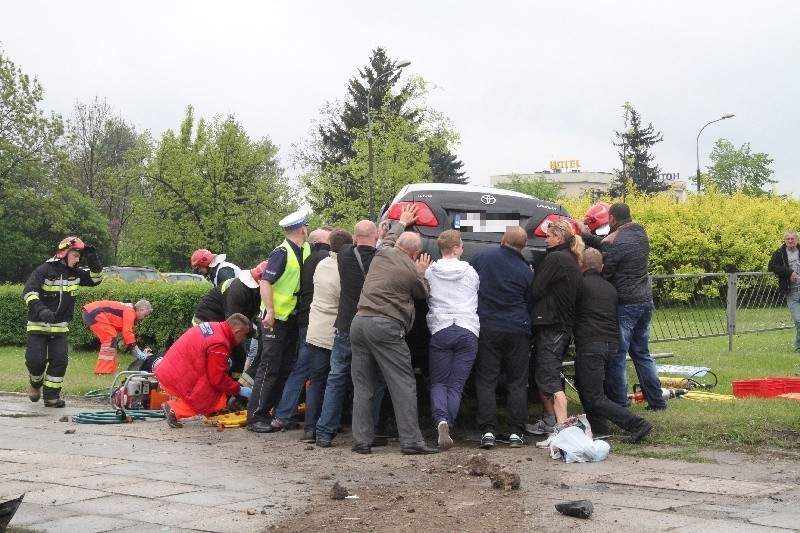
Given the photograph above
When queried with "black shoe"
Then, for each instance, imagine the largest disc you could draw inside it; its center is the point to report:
(639, 431)
(656, 407)
(58, 402)
(380, 441)
(364, 449)
(170, 417)
(260, 427)
(323, 443)
(600, 430)
(420, 448)
(310, 436)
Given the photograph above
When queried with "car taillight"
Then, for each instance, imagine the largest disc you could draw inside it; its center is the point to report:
(541, 229)
(425, 216)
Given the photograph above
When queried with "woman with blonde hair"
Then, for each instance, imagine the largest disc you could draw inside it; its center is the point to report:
(555, 291)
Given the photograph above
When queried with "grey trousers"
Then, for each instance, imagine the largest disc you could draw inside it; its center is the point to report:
(793, 299)
(379, 345)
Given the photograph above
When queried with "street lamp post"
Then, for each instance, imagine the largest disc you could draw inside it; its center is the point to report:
(397, 67)
(697, 146)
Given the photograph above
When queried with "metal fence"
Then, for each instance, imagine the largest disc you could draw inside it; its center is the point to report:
(691, 306)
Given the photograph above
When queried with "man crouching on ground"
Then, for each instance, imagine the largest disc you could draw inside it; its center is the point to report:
(195, 369)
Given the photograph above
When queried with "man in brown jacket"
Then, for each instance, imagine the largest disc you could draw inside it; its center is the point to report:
(385, 315)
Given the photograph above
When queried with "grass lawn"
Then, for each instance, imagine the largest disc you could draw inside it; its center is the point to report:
(687, 427)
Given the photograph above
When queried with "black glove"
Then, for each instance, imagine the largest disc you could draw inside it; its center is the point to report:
(47, 316)
(89, 249)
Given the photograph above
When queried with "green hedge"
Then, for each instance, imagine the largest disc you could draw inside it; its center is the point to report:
(173, 309)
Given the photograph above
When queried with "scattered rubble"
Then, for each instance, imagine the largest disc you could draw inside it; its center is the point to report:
(501, 477)
(578, 508)
(338, 492)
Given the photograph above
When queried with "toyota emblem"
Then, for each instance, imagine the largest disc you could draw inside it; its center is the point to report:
(488, 199)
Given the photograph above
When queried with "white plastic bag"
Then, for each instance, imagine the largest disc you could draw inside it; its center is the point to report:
(573, 445)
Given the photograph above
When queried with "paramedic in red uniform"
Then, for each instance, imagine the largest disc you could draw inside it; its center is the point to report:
(108, 319)
(195, 369)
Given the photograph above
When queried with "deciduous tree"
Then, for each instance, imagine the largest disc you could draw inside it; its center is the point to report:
(539, 187)
(210, 186)
(739, 170)
(107, 158)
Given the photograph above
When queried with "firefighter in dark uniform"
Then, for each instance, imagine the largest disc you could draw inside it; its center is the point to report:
(237, 295)
(50, 294)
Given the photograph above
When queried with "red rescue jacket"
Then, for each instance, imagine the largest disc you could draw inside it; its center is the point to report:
(195, 367)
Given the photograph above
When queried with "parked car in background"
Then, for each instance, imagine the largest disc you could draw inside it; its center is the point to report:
(184, 276)
(132, 273)
(481, 214)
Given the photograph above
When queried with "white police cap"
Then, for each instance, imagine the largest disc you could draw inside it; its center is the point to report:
(293, 221)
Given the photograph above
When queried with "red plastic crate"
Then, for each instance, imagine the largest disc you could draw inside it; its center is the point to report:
(762, 388)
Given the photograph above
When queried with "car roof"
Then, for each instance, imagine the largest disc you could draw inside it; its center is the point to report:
(451, 187)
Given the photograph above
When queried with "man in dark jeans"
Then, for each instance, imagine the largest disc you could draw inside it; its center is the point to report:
(596, 342)
(626, 252)
(504, 310)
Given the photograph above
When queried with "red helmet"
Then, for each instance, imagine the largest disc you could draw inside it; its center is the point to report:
(258, 270)
(67, 244)
(201, 258)
(596, 216)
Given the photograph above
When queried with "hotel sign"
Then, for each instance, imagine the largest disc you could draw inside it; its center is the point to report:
(564, 164)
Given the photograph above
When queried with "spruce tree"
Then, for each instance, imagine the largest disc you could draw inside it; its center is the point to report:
(639, 173)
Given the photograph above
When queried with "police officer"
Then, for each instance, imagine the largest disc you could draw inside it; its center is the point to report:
(279, 285)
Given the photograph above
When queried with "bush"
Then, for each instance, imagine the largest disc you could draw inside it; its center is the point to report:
(173, 309)
(711, 232)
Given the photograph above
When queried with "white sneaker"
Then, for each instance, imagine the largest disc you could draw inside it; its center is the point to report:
(445, 440)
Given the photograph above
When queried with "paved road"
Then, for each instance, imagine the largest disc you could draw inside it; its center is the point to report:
(146, 477)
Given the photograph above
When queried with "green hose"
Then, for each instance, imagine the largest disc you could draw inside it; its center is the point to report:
(120, 416)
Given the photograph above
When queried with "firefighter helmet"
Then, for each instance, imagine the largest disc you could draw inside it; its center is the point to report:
(67, 244)
(201, 258)
(597, 217)
(258, 270)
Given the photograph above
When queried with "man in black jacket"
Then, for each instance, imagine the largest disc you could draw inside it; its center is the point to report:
(50, 294)
(236, 295)
(596, 342)
(785, 263)
(626, 252)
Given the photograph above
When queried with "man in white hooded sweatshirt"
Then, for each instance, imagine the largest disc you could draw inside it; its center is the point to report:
(454, 324)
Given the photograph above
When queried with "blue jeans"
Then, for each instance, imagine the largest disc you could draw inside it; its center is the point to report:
(287, 406)
(338, 387)
(634, 329)
(452, 353)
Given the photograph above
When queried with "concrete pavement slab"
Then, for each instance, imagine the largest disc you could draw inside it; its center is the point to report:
(698, 484)
(86, 524)
(59, 495)
(154, 490)
(179, 514)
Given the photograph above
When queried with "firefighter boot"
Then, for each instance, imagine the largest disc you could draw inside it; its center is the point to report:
(55, 402)
(34, 393)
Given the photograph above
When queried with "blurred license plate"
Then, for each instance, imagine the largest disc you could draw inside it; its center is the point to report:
(484, 222)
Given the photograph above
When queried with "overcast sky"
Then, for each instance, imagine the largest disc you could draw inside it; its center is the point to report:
(523, 82)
